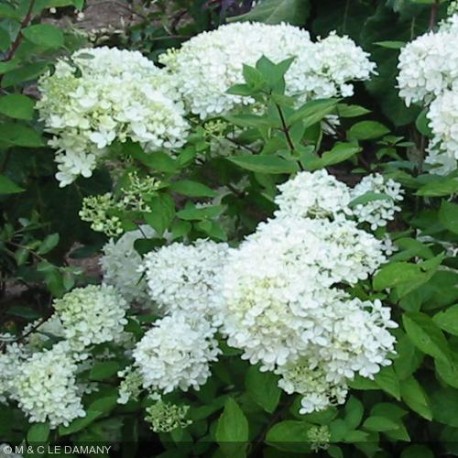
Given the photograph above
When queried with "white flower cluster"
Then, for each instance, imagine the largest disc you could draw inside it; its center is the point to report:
(120, 263)
(102, 95)
(284, 302)
(92, 315)
(40, 375)
(332, 198)
(185, 283)
(428, 74)
(186, 278)
(45, 387)
(176, 353)
(10, 361)
(207, 65)
(379, 211)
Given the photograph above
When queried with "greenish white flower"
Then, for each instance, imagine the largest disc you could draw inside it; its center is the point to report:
(105, 94)
(46, 389)
(207, 65)
(92, 315)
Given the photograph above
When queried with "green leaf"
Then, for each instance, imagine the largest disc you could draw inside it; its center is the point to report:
(290, 435)
(380, 424)
(20, 135)
(312, 112)
(80, 423)
(232, 424)
(414, 396)
(396, 273)
(192, 189)
(162, 212)
(408, 358)
(440, 187)
(448, 216)
(49, 243)
(38, 433)
(193, 213)
(425, 335)
(448, 320)
(22, 74)
(354, 411)
(367, 130)
(444, 405)
(5, 39)
(390, 44)
(276, 11)
(265, 164)
(17, 106)
(448, 371)
(157, 161)
(350, 111)
(8, 186)
(369, 196)
(417, 451)
(422, 124)
(253, 77)
(273, 73)
(263, 388)
(44, 35)
(339, 153)
(8, 12)
(388, 381)
(249, 120)
(103, 370)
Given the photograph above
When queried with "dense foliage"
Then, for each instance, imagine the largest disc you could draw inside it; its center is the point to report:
(269, 191)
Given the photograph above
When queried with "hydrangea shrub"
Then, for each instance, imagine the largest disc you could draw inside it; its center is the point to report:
(278, 268)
